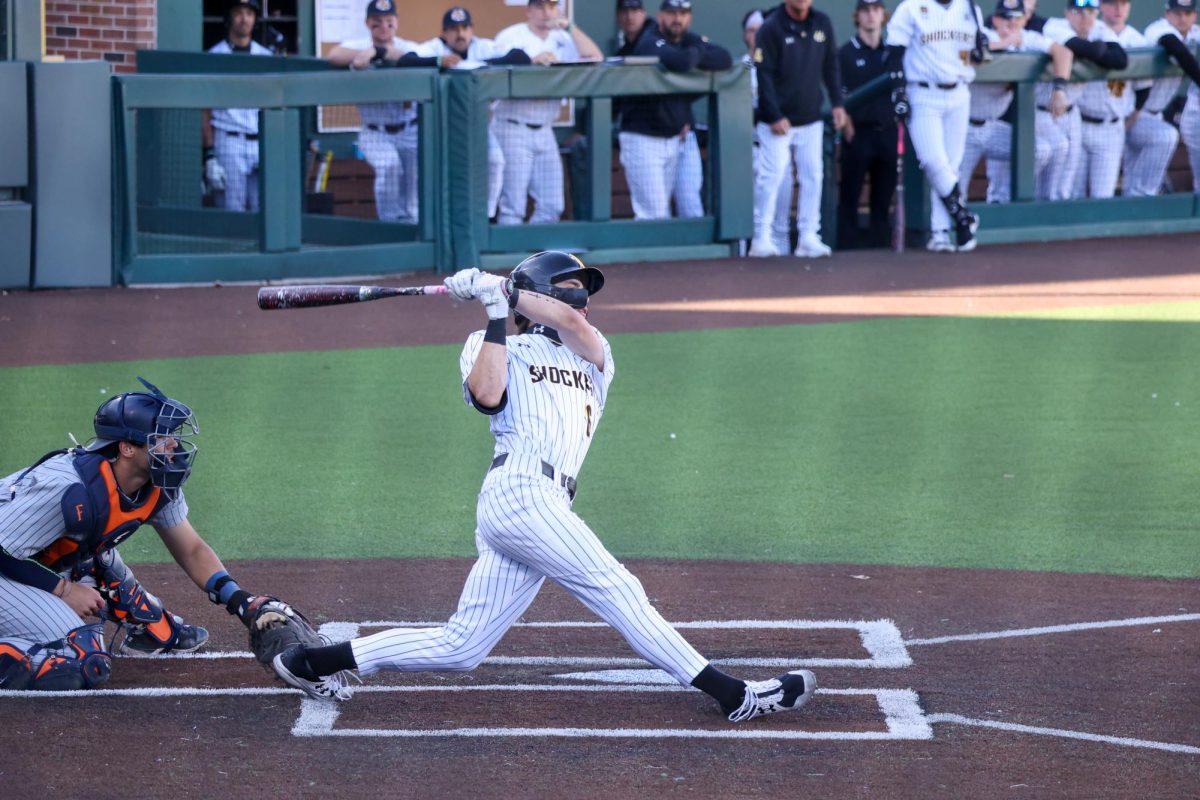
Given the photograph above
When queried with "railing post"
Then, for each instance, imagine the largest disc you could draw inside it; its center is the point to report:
(1024, 142)
(599, 159)
(731, 144)
(280, 188)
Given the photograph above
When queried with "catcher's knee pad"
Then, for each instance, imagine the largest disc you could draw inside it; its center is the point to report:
(77, 661)
(16, 669)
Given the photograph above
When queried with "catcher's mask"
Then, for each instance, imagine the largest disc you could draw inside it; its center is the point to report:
(164, 426)
(541, 271)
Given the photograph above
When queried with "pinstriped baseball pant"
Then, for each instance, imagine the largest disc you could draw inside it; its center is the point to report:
(1189, 131)
(689, 178)
(393, 157)
(1149, 144)
(938, 128)
(527, 533)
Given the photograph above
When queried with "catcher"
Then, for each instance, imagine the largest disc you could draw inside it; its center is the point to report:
(60, 523)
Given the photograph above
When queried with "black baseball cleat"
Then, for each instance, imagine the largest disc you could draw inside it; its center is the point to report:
(788, 692)
(965, 227)
(293, 669)
(188, 639)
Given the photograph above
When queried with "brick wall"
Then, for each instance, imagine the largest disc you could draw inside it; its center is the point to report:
(97, 30)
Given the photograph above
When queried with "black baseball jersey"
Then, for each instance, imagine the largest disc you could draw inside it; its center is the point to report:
(859, 65)
(789, 55)
(667, 116)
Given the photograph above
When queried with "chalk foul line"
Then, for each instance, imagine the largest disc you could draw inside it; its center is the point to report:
(1061, 733)
(1069, 628)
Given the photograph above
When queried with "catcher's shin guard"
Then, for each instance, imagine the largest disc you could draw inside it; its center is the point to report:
(77, 661)
(16, 670)
(151, 628)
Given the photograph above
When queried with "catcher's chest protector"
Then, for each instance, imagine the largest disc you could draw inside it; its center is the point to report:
(95, 514)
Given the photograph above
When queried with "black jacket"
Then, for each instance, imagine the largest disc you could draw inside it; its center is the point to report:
(793, 59)
(859, 65)
(666, 116)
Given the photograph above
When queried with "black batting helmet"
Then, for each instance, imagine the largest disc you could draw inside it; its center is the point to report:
(541, 271)
(152, 419)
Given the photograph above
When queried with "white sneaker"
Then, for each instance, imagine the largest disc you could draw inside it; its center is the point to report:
(939, 242)
(811, 246)
(785, 693)
(762, 248)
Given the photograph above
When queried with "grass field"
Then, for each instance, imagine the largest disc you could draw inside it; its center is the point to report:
(1001, 442)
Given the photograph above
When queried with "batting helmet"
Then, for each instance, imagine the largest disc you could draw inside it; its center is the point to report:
(541, 271)
(163, 425)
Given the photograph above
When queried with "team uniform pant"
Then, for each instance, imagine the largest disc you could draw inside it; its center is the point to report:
(1149, 144)
(689, 178)
(870, 154)
(651, 164)
(495, 173)
(1064, 137)
(993, 142)
(777, 155)
(938, 128)
(238, 157)
(1102, 144)
(527, 533)
(393, 156)
(1189, 131)
(532, 168)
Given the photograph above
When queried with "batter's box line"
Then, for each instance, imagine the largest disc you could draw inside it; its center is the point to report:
(880, 639)
(903, 717)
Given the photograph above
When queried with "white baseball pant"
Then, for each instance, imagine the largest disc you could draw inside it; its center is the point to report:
(689, 178)
(1149, 145)
(938, 127)
(998, 152)
(650, 164)
(532, 168)
(1189, 132)
(238, 156)
(393, 156)
(1056, 180)
(1102, 145)
(801, 147)
(495, 173)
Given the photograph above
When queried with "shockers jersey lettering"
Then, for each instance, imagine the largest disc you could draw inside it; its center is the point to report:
(935, 38)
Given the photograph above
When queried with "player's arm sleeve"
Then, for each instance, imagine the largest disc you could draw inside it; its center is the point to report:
(466, 362)
(513, 58)
(28, 572)
(713, 57)
(832, 70)
(1109, 55)
(1178, 52)
(415, 59)
(895, 65)
(766, 56)
(673, 57)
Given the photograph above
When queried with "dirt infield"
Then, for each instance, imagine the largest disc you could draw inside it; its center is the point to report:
(935, 683)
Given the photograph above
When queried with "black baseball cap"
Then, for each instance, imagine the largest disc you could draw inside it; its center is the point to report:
(1181, 5)
(625, 5)
(456, 17)
(381, 8)
(861, 4)
(1009, 9)
(543, 2)
(675, 5)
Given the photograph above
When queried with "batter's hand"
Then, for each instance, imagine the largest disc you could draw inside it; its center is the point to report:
(461, 284)
(492, 291)
(900, 106)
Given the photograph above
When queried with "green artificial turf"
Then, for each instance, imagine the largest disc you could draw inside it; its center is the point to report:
(1008, 443)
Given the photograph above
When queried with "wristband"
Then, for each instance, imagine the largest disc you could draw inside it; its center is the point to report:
(380, 53)
(496, 331)
(63, 593)
(237, 602)
(220, 587)
(1059, 84)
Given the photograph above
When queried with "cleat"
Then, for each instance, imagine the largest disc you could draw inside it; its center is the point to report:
(811, 246)
(939, 242)
(965, 229)
(788, 692)
(188, 639)
(292, 668)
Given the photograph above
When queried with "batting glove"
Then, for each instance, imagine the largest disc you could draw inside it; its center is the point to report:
(900, 106)
(462, 284)
(492, 291)
(214, 173)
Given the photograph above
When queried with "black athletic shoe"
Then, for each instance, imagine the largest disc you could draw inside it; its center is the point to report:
(965, 227)
(292, 668)
(188, 639)
(785, 693)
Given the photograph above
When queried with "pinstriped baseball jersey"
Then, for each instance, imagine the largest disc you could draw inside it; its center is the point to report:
(1128, 37)
(522, 37)
(1100, 99)
(555, 399)
(242, 120)
(991, 100)
(938, 39)
(1164, 88)
(31, 516)
(479, 50)
(385, 113)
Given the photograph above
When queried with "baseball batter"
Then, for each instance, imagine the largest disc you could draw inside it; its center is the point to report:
(60, 523)
(545, 392)
(524, 128)
(389, 135)
(1173, 32)
(230, 135)
(656, 131)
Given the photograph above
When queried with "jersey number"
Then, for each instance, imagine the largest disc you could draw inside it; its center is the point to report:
(588, 410)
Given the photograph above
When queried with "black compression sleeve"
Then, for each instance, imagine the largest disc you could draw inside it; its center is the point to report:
(514, 58)
(27, 572)
(1140, 97)
(895, 64)
(414, 60)
(1181, 55)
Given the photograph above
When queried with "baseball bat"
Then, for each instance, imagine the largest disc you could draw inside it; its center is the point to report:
(899, 223)
(310, 296)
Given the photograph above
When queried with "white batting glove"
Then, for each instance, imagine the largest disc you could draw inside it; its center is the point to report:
(214, 174)
(492, 291)
(461, 284)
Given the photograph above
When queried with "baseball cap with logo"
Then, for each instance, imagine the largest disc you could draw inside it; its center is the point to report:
(1181, 5)
(1009, 9)
(456, 17)
(676, 5)
(629, 5)
(381, 8)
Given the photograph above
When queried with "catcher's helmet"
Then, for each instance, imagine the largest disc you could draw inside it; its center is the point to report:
(541, 271)
(152, 419)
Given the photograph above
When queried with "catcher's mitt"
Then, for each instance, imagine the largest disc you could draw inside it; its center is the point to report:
(274, 627)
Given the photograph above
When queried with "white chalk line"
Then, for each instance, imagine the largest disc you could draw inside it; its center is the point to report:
(1069, 628)
(1062, 734)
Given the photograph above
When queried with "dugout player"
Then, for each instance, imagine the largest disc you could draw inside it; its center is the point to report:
(933, 49)
(389, 136)
(544, 391)
(60, 523)
(1096, 124)
(1173, 32)
(525, 128)
(458, 40)
(230, 135)
(656, 131)
(794, 46)
(869, 138)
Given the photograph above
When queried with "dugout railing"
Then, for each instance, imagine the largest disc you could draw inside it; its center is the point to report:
(1025, 218)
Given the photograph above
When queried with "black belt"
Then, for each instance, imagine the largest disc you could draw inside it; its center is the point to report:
(1097, 120)
(565, 481)
(529, 125)
(1046, 109)
(944, 86)
(978, 123)
(399, 126)
(251, 136)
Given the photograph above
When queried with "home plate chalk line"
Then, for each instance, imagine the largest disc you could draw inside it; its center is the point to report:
(885, 647)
